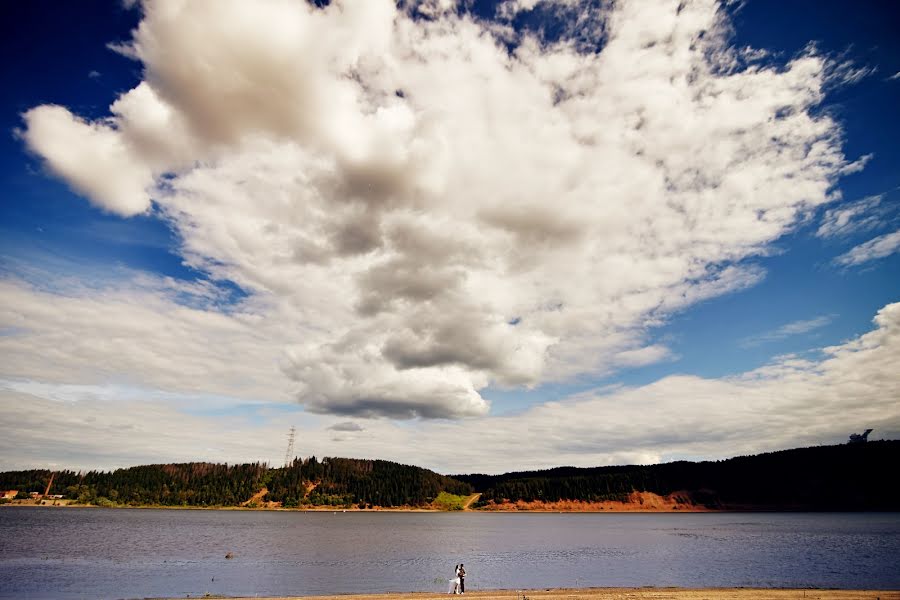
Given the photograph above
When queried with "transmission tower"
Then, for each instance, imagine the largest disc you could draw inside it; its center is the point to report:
(289, 454)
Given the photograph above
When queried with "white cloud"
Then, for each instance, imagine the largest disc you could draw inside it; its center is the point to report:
(879, 247)
(643, 356)
(92, 157)
(416, 211)
(861, 215)
(787, 330)
(788, 403)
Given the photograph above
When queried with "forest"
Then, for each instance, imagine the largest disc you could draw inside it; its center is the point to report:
(338, 482)
(846, 477)
(363, 483)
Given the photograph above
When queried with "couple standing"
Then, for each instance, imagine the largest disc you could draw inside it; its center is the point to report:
(458, 585)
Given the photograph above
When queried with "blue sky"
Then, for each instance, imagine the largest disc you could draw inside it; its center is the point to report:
(577, 221)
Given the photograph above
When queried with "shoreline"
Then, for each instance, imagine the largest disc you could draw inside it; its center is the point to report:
(508, 511)
(641, 593)
(636, 502)
(323, 509)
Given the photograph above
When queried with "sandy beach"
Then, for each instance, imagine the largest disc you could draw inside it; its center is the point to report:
(632, 594)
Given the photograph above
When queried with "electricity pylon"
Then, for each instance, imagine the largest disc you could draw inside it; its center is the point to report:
(289, 454)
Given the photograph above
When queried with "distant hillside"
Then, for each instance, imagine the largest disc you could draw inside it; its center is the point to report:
(846, 477)
(335, 482)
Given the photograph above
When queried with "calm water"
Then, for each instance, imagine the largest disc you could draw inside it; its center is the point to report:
(103, 553)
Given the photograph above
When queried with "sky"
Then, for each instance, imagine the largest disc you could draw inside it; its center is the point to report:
(470, 236)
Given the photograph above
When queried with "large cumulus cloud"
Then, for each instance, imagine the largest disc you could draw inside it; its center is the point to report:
(429, 204)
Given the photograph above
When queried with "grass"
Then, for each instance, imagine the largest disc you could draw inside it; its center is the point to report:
(446, 501)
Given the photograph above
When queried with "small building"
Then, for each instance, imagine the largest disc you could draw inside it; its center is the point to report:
(9, 494)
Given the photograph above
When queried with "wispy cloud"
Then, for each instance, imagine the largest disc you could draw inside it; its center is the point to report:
(846, 73)
(870, 213)
(880, 247)
(894, 77)
(786, 331)
(851, 217)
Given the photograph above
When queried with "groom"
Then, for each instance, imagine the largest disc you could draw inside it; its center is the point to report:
(462, 578)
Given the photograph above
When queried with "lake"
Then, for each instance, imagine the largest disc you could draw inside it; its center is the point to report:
(123, 553)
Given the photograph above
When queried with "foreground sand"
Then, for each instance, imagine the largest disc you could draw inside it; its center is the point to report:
(632, 594)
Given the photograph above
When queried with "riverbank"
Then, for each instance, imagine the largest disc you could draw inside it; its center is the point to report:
(646, 502)
(646, 593)
(636, 502)
(520, 508)
(510, 508)
(326, 509)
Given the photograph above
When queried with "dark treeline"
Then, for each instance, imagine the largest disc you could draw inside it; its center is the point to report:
(847, 477)
(343, 481)
(190, 484)
(308, 482)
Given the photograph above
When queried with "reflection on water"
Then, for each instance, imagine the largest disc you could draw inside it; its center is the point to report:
(103, 553)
